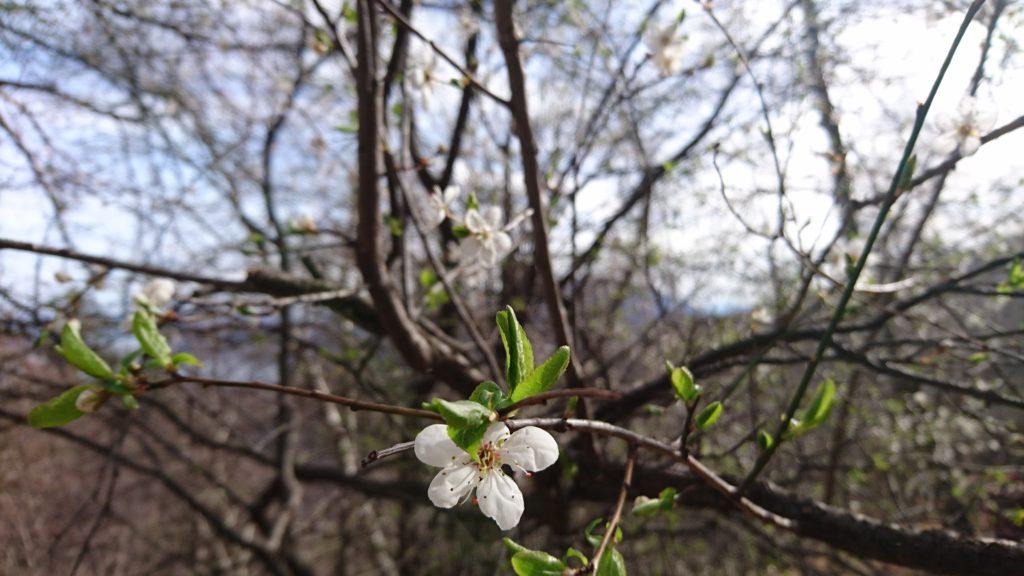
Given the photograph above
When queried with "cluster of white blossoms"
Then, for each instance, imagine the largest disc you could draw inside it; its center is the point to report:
(529, 449)
(666, 47)
(486, 242)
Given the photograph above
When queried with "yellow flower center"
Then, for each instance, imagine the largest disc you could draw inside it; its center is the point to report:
(487, 456)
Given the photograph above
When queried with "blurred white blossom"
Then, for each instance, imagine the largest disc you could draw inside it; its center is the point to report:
(488, 243)
(666, 48)
(158, 292)
(439, 206)
(964, 131)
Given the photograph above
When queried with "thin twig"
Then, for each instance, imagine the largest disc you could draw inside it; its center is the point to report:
(379, 454)
(352, 403)
(404, 22)
(609, 532)
(543, 397)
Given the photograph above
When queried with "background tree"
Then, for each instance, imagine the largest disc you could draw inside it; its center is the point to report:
(346, 193)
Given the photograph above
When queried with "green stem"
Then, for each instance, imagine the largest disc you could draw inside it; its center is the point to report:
(844, 300)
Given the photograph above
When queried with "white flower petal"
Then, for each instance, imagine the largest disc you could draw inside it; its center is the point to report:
(452, 484)
(434, 447)
(531, 449)
(496, 433)
(492, 215)
(502, 244)
(475, 223)
(159, 292)
(970, 145)
(451, 194)
(500, 499)
(470, 250)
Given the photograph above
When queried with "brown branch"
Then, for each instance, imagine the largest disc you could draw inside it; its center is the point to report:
(219, 283)
(645, 442)
(505, 25)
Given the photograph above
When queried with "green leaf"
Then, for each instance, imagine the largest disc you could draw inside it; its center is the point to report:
(487, 394)
(467, 421)
(468, 438)
(460, 231)
(574, 553)
(58, 411)
(428, 278)
(907, 176)
(595, 539)
(612, 564)
(536, 563)
(512, 337)
(821, 405)
(146, 332)
(80, 355)
(682, 382)
(527, 350)
(645, 506)
(764, 440)
(184, 358)
(130, 402)
(544, 377)
(708, 415)
(513, 547)
(462, 413)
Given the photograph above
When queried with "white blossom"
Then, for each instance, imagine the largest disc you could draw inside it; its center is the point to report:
(439, 206)
(421, 71)
(666, 48)
(529, 449)
(158, 292)
(487, 242)
(304, 224)
(964, 132)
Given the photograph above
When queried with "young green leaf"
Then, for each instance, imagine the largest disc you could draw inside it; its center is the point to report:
(612, 564)
(58, 411)
(467, 421)
(907, 176)
(645, 506)
(682, 382)
(130, 402)
(487, 394)
(468, 438)
(512, 337)
(544, 376)
(152, 341)
(185, 359)
(576, 554)
(462, 413)
(527, 362)
(513, 547)
(821, 405)
(80, 355)
(595, 539)
(764, 440)
(536, 563)
(708, 415)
